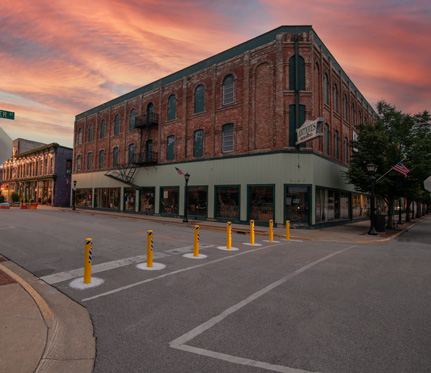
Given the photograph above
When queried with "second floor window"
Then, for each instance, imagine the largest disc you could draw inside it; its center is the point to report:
(101, 159)
(335, 98)
(199, 99)
(80, 136)
(115, 157)
(198, 143)
(102, 129)
(131, 152)
(78, 162)
(89, 160)
(336, 144)
(90, 133)
(227, 138)
(170, 152)
(228, 90)
(326, 138)
(132, 120)
(117, 125)
(325, 89)
(172, 106)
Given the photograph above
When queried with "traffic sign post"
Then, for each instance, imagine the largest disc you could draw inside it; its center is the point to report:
(7, 114)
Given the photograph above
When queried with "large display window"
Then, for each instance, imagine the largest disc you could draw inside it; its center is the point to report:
(146, 201)
(129, 199)
(227, 202)
(83, 197)
(332, 205)
(107, 198)
(297, 204)
(261, 203)
(169, 197)
(197, 202)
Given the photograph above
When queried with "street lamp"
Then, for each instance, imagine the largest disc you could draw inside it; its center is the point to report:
(186, 178)
(73, 194)
(372, 169)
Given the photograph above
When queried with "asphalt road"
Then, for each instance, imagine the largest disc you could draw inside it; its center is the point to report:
(285, 307)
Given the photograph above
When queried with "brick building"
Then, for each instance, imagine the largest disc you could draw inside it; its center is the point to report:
(38, 172)
(229, 121)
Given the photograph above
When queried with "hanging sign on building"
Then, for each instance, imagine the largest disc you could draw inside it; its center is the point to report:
(309, 130)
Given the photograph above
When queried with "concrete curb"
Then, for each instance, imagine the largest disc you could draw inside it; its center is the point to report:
(70, 345)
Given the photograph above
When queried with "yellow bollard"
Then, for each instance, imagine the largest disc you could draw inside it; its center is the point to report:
(271, 233)
(149, 248)
(287, 230)
(88, 258)
(251, 232)
(229, 235)
(196, 242)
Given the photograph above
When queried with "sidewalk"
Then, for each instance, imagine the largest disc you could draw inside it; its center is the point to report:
(43, 330)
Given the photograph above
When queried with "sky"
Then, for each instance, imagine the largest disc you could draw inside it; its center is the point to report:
(60, 58)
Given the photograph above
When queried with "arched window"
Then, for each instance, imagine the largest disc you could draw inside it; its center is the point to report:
(228, 90)
(89, 160)
(292, 74)
(336, 145)
(90, 133)
(335, 98)
(345, 107)
(346, 150)
(359, 118)
(115, 157)
(198, 143)
(78, 162)
(227, 138)
(172, 107)
(101, 159)
(132, 120)
(326, 138)
(102, 129)
(199, 99)
(150, 112)
(325, 89)
(117, 124)
(353, 115)
(80, 136)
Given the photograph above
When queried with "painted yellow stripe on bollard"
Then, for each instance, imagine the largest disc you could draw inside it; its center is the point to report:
(149, 248)
(88, 260)
(196, 241)
(252, 232)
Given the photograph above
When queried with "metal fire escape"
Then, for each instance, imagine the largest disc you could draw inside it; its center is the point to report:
(144, 158)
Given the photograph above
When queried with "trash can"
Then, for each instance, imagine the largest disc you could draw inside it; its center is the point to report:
(380, 223)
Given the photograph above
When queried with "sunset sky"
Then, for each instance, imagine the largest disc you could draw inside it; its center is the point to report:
(60, 58)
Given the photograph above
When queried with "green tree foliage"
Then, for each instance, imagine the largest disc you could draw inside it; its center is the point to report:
(394, 137)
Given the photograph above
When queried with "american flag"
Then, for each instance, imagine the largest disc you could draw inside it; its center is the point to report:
(401, 169)
(179, 171)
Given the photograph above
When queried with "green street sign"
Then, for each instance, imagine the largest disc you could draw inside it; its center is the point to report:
(7, 114)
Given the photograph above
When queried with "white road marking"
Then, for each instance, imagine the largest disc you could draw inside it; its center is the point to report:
(173, 273)
(79, 272)
(180, 342)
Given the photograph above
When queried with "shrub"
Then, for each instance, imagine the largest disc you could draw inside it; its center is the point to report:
(14, 197)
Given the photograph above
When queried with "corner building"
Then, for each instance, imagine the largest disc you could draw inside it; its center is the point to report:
(230, 122)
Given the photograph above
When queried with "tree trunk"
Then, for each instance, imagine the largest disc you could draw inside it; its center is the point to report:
(390, 224)
(408, 210)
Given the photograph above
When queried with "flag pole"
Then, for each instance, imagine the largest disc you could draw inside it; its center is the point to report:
(390, 169)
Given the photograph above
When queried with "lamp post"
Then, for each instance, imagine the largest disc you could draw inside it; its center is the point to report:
(372, 169)
(186, 178)
(73, 194)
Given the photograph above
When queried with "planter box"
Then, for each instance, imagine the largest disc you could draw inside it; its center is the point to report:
(4, 205)
(15, 204)
(29, 206)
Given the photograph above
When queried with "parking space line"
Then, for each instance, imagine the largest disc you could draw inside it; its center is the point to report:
(174, 273)
(180, 342)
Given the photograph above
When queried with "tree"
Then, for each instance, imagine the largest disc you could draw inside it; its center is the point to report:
(394, 137)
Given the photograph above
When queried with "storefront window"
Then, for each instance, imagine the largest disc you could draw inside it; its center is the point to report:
(297, 204)
(331, 205)
(227, 200)
(197, 202)
(147, 201)
(129, 199)
(83, 197)
(261, 203)
(360, 204)
(107, 198)
(169, 200)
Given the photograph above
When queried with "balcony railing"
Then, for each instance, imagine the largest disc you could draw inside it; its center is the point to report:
(146, 159)
(147, 121)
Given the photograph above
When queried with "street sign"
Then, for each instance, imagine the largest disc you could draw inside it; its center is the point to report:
(7, 114)
(427, 184)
